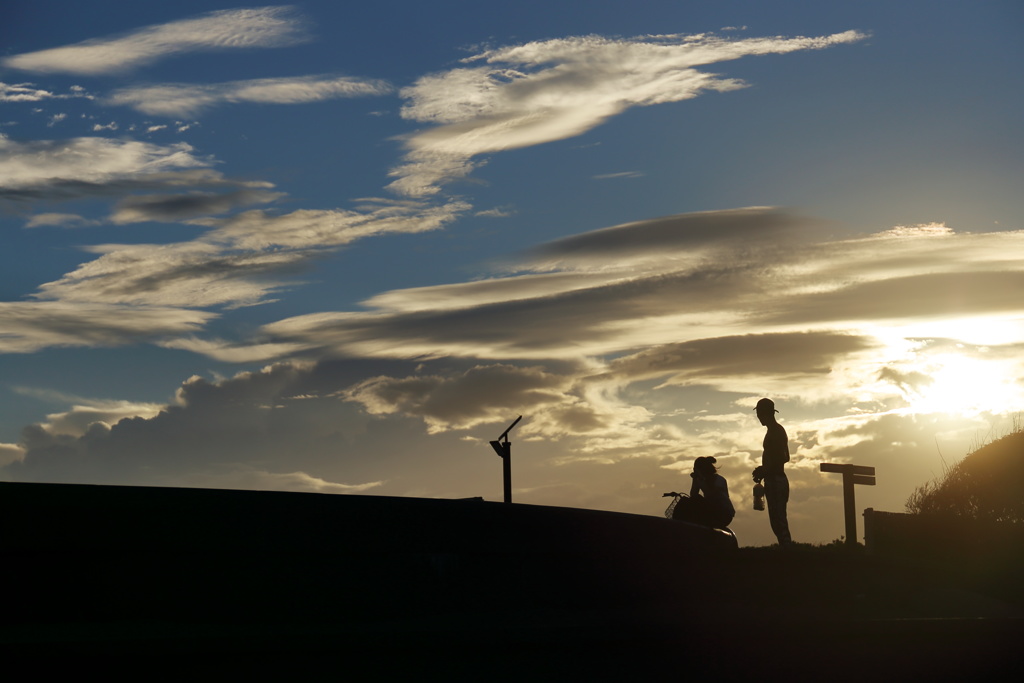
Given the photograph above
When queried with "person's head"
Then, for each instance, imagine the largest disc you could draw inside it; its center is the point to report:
(766, 411)
(705, 466)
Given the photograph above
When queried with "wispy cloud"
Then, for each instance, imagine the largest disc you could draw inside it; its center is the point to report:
(222, 30)
(620, 174)
(182, 99)
(93, 165)
(60, 220)
(179, 207)
(551, 90)
(187, 274)
(28, 92)
(308, 228)
(29, 326)
(239, 262)
(682, 279)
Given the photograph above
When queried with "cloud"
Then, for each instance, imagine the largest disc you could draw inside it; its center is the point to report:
(28, 92)
(723, 235)
(182, 99)
(185, 274)
(602, 300)
(232, 352)
(62, 169)
(309, 228)
(10, 453)
(272, 429)
(739, 300)
(29, 326)
(247, 478)
(555, 89)
(179, 207)
(481, 394)
(621, 174)
(80, 418)
(239, 262)
(222, 30)
(784, 354)
(60, 220)
(929, 295)
(497, 212)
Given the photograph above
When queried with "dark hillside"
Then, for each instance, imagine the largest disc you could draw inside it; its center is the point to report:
(309, 582)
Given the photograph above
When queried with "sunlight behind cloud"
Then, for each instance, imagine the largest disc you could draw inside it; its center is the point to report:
(965, 386)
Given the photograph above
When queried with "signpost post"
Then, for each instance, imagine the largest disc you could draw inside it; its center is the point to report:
(503, 448)
(852, 474)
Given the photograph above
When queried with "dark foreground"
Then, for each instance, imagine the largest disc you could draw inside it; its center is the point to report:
(312, 585)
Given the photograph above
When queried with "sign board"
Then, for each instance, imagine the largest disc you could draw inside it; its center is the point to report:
(852, 474)
(846, 469)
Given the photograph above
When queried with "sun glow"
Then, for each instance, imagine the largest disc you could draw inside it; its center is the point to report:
(966, 386)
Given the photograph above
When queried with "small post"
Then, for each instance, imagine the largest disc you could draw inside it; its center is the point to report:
(852, 474)
(503, 448)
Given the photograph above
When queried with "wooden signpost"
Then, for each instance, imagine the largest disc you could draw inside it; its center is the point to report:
(852, 474)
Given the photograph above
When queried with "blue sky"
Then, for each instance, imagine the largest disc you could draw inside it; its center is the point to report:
(332, 248)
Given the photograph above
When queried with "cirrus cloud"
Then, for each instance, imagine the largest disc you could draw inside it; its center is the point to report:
(555, 89)
(184, 99)
(221, 30)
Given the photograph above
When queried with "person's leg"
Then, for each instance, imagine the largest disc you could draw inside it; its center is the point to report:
(685, 511)
(776, 494)
(694, 510)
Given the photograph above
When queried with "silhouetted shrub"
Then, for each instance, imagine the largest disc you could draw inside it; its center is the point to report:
(987, 485)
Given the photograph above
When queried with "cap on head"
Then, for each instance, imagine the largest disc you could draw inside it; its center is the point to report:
(766, 405)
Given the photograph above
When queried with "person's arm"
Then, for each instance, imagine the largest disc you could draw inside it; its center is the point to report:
(694, 487)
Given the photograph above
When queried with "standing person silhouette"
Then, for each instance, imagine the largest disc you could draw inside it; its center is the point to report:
(773, 460)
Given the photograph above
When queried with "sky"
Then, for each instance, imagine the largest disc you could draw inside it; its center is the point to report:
(338, 248)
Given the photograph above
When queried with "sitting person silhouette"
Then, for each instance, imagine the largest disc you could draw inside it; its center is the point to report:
(709, 502)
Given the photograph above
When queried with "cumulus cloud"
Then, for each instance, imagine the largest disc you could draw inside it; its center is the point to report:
(10, 453)
(482, 394)
(260, 27)
(183, 99)
(289, 431)
(247, 478)
(81, 417)
(555, 89)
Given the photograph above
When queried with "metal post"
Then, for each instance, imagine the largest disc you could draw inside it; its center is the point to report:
(503, 448)
(506, 472)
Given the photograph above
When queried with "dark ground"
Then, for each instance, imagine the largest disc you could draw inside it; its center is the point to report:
(313, 585)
